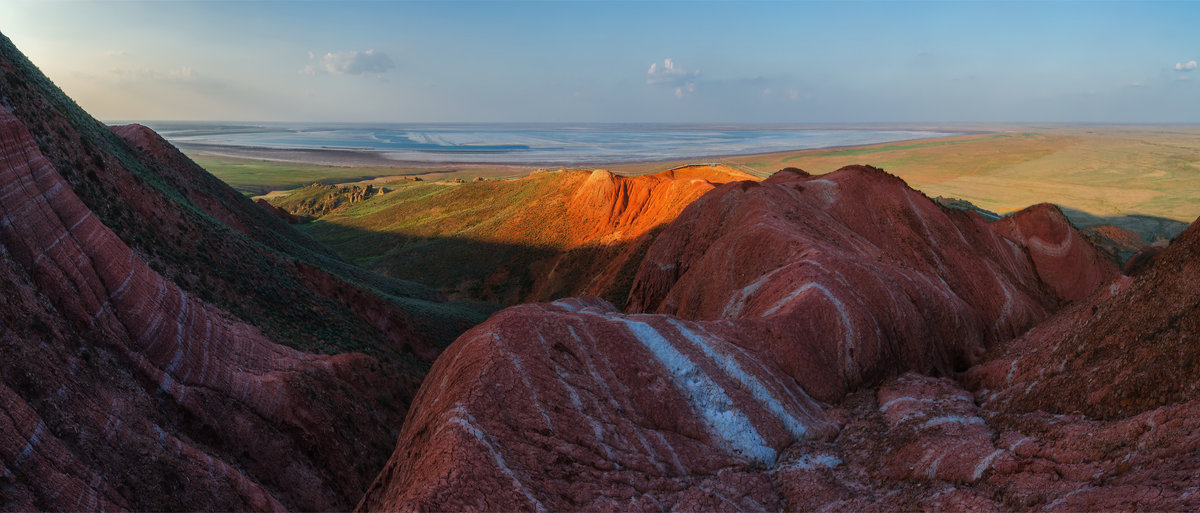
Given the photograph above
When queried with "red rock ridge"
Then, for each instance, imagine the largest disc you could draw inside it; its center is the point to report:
(162, 385)
(612, 221)
(1066, 262)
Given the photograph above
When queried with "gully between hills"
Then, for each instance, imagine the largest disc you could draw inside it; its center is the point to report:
(806, 342)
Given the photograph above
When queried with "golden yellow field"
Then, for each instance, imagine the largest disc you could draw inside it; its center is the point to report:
(1103, 171)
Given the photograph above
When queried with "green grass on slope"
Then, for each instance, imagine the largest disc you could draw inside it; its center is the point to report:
(257, 177)
(474, 239)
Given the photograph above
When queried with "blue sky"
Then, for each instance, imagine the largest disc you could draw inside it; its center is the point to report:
(743, 62)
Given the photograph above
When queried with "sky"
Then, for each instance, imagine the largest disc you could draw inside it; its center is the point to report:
(659, 62)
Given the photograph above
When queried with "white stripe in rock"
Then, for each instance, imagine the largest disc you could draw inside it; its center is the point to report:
(706, 397)
(984, 464)
(756, 388)
(464, 419)
(848, 328)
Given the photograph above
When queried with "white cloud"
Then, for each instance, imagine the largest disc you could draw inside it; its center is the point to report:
(672, 75)
(668, 73)
(116, 53)
(349, 63)
(1185, 66)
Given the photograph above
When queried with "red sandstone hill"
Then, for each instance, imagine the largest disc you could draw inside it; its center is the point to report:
(775, 300)
(855, 265)
(168, 344)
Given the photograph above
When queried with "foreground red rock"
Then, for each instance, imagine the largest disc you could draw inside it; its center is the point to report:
(922, 444)
(152, 323)
(774, 297)
(572, 405)
(105, 360)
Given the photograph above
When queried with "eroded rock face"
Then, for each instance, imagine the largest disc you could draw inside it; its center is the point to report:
(122, 390)
(772, 298)
(537, 238)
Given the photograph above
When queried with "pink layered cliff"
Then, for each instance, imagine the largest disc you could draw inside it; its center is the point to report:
(157, 384)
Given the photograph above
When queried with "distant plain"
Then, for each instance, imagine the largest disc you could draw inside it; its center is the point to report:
(1099, 170)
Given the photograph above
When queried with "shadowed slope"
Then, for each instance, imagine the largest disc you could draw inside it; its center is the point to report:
(559, 233)
(149, 204)
(211, 195)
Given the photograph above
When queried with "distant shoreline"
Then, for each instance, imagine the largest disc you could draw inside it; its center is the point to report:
(345, 157)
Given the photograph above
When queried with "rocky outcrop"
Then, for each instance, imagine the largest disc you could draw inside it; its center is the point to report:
(774, 301)
(608, 207)
(1118, 244)
(126, 387)
(1066, 262)
(925, 444)
(318, 199)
